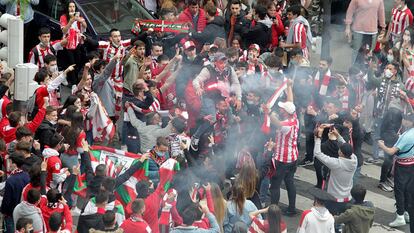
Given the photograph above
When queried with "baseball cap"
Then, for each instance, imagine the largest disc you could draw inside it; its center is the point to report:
(188, 44)
(255, 46)
(409, 117)
(289, 107)
(219, 56)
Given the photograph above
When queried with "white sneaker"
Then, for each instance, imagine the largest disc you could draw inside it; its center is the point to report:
(406, 217)
(399, 221)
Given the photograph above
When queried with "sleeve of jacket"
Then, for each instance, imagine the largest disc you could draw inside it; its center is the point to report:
(7, 199)
(235, 84)
(101, 78)
(345, 217)
(86, 162)
(37, 120)
(214, 227)
(68, 218)
(127, 174)
(138, 124)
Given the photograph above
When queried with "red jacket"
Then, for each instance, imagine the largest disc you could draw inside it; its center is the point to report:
(10, 132)
(152, 206)
(186, 16)
(277, 31)
(58, 207)
(135, 225)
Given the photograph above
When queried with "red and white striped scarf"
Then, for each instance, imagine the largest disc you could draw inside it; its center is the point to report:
(409, 84)
(102, 126)
(323, 89)
(167, 205)
(266, 123)
(343, 98)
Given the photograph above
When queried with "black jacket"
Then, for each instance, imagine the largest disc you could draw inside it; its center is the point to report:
(44, 133)
(87, 222)
(213, 29)
(259, 34)
(241, 23)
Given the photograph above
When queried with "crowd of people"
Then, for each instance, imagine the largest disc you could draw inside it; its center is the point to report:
(234, 101)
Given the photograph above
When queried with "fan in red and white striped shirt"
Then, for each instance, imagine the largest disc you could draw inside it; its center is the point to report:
(109, 49)
(401, 18)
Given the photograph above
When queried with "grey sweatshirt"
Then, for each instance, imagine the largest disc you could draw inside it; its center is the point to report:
(148, 134)
(27, 210)
(102, 87)
(342, 171)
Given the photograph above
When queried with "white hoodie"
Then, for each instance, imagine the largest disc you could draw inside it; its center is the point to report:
(316, 220)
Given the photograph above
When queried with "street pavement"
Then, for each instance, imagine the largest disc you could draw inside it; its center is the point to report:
(384, 202)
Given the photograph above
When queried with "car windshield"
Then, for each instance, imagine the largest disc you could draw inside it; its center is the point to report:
(107, 14)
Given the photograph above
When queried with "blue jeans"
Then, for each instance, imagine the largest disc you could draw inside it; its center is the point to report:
(357, 175)
(264, 190)
(9, 224)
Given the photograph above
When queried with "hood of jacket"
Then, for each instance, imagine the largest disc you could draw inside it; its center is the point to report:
(49, 152)
(218, 20)
(27, 209)
(349, 164)
(268, 22)
(321, 213)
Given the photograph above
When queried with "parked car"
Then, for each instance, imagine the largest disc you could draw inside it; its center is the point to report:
(100, 15)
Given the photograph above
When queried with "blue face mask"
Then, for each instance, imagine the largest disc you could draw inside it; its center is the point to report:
(162, 154)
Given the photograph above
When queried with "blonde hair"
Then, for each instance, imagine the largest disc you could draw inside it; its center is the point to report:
(220, 204)
(247, 178)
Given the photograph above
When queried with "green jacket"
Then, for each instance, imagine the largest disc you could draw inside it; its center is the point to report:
(357, 219)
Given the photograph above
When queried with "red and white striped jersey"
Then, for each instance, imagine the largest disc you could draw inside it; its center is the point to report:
(286, 149)
(155, 106)
(37, 54)
(299, 31)
(400, 20)
(409, 85)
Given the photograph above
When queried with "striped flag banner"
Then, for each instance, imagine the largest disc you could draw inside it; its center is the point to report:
(270, 103)
(117, 162)
(159, 25)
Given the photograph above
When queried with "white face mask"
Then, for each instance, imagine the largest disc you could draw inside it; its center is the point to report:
(250, 102)
(388, 73)
(390, 58)
(406, 38)
(53, 69)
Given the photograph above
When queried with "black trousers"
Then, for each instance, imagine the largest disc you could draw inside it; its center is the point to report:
(403, 187)
(284, 172)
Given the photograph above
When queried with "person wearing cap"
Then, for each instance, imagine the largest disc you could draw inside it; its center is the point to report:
(285, 152)
(255, 64)
(317, 219)
(261, 33)
(214, 82)
(403, 151)
(342, 170)
(194, 15)
(213, 29)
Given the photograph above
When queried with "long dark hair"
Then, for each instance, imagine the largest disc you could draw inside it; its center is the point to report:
(69, 101)
(274, 218)
(76, 127)
(66, 9)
